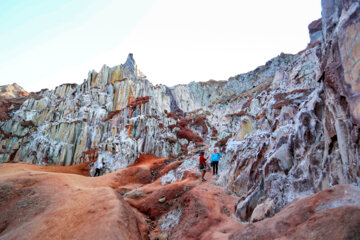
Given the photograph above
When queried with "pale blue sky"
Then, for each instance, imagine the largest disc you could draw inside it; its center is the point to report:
(46, 43)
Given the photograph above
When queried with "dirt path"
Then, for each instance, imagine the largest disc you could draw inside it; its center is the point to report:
(80, 169)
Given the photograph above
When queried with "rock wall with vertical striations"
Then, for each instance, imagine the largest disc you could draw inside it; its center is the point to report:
(287, 129)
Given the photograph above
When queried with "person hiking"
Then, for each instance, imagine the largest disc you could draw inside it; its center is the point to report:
(202, 165)
(99, 166)
(215, 161)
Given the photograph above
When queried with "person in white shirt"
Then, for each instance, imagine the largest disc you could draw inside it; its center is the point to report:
(99, 166)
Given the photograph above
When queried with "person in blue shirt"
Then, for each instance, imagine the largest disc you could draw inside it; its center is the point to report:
(215, 161)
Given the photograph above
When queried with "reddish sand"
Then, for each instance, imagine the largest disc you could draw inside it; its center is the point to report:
(207, 210)
(55, 202)
(80, 169)
(40, 204)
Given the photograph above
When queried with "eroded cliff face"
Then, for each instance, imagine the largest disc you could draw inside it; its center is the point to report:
(118, 114)
(288, 129)
(313, 139)
(12, 91)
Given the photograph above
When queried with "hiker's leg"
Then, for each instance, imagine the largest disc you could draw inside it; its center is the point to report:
(213, 165)
(203, 174)
(216, 167)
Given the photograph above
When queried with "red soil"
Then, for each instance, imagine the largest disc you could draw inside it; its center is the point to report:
(56, 202)
(189, 135)
(331, 214)
(40, 202)
(200, 121)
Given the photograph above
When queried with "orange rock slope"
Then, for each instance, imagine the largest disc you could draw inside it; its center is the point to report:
(41, 203)
(55, 202)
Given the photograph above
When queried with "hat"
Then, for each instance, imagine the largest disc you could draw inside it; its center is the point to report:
(202, 152)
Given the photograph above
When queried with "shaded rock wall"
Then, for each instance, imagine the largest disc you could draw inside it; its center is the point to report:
(315, 31)
(307, 139)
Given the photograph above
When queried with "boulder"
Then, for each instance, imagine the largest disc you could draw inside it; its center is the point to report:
(331, 214)
(263, 210)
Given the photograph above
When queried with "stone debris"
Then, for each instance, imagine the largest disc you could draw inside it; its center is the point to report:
(162, 200)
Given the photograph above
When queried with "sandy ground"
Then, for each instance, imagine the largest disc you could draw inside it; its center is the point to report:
(40, 202)
(56, 202)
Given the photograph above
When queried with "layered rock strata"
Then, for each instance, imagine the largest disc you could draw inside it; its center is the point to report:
(288, 129)
(312, 144)
(120, 114)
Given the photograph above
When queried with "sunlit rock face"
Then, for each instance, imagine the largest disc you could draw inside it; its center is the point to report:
(115, 112)
(286, 130)
(119, 114)
(12, 91)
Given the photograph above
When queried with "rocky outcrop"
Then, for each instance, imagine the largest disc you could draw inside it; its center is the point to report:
(340, 54)
(72, 119)
(331, 214)
(135, 203)
(305, 137)
(288, 129)
(315, 31)
(43, 203)
(130, 203)
(273, 151)
(118, 112)
(12, 91)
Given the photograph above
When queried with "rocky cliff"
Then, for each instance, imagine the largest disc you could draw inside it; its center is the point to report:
(287, 129)
(119, 114)
(12, 91)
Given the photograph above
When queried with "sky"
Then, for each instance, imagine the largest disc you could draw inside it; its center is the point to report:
(45, 43)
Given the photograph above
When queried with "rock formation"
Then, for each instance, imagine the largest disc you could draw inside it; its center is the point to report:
(315, 31)
(287, 129)
(58, 202)
(37, 204)
(330, 214)
(12, 91)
